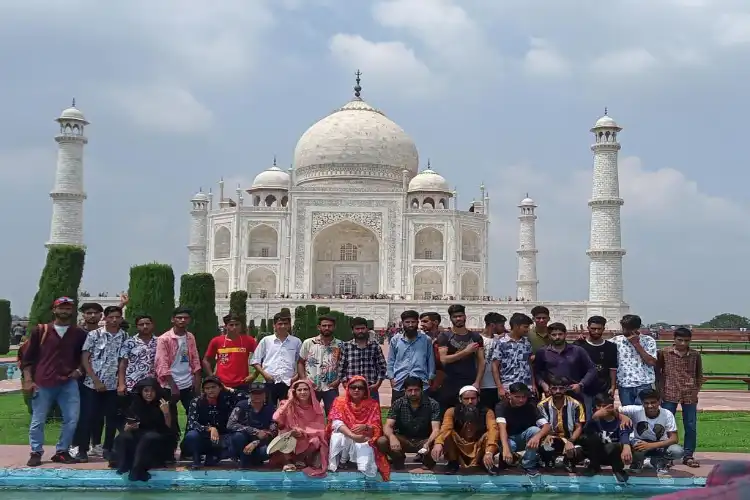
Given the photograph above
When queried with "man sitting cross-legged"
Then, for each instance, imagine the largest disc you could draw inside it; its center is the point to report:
(412, 426)
(655, 433)
(566, 417)
(252, 426)
(606, 439)
(468, 436)
(522, 427)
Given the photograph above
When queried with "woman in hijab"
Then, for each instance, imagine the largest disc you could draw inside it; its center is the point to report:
(302, 415)
(354, 426)
(147, 439)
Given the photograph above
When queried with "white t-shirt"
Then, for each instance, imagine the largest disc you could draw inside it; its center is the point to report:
(181, 365)
(488, 381)
(650, 429)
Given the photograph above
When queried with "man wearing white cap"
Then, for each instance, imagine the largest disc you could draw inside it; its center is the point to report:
(468, 436)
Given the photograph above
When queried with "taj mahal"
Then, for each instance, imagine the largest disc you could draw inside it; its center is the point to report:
(354, 224)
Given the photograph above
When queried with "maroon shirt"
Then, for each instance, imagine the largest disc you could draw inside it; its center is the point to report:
(53, 361)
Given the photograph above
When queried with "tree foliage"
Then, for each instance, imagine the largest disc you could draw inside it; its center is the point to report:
(6, 322)
(61, 277)
(263, 326)
(252, 330)
(727, 321)
(198, 293)
(151, 292)
(238, 306)
(300, 328)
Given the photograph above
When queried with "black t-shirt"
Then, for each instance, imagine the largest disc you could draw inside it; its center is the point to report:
(518, 418)
(464, 371)
(604, 357)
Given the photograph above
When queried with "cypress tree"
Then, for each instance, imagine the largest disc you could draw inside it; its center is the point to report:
(238, 306)
(323, 311)
(151, 291)
(6, 322)
(263, 327)
(252, 330)
(299, 329)
(198, 293)
(61, 277)
(311, 321)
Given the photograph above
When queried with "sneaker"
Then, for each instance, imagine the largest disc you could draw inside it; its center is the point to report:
(96, 450)
(73, 450)
(107, 454)
(591, 470)
(621, 476)
(35, 460)
(82, 457)
(662, 470)
(63, 457)
(635, 468)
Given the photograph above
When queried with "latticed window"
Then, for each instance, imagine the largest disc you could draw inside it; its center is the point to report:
(348, 285)
(263, 293)
(264, 252)
(428, 295)
(348, 252)
(428, 254)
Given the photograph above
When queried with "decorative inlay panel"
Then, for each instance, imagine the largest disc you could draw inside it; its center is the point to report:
(438, 269)
(370, 220)
(254, 223)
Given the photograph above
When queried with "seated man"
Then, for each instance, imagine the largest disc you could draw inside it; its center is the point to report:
(566, 417)
(208, 415)
(252, 427)
(412, 426)
(655, 433)
(468, 436)
(606, 439)
(521, 426)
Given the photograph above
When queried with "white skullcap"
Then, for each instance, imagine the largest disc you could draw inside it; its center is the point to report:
(466, 389)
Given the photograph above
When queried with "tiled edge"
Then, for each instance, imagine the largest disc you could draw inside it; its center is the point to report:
(77, 479)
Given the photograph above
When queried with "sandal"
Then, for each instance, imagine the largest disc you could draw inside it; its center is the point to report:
(289, 468)
(691, 462)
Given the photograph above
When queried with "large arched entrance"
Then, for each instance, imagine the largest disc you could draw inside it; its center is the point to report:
(261, 283)
(345, 261)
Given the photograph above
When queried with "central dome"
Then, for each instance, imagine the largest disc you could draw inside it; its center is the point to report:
(356, 141)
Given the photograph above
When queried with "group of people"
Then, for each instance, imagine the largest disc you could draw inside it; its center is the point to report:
(473, 399)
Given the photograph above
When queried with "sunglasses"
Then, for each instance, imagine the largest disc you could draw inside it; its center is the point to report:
(358, 388)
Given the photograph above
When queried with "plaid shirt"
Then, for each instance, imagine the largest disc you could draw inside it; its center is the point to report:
(727, 481)
(681, 375)
(414, 423)
(367, 362)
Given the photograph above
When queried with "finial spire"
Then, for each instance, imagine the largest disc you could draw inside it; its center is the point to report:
(605, 110)
(527, 194)
(357, 87)
(429, 166)
(74, 102)
(274, 160)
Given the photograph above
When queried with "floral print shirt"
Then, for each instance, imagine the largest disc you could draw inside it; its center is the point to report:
(513, 356)
(321, 361)
(104, 348)
(140, 356)
(632, 371)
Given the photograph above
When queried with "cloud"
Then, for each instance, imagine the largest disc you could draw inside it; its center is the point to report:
(162, 108)
(27, 168)
(733, 29)
(625, 62)
(544, 60)
(391, 66)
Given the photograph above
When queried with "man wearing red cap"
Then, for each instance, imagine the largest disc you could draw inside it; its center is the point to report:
(51, 368)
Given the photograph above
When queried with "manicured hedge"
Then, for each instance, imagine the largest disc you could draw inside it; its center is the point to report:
(151, 291)
(61, 277)
(198, 293)
(6, 322)
(238, 306)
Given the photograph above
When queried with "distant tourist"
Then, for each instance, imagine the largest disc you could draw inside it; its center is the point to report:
(410, 354)
(604, 356)
(231, 353)
(276, 357)
(51, 370)
(362, 357)
(319, 359)
(252, 427)
(682, 378)
(636, 359)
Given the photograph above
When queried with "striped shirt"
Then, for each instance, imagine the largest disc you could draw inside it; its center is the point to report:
(563, 420)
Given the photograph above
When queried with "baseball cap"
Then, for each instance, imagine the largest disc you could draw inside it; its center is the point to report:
(63, 300)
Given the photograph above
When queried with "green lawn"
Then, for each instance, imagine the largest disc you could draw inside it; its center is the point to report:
(11, 354)
(718, 431)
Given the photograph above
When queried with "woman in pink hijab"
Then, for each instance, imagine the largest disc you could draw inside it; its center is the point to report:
(303, 416)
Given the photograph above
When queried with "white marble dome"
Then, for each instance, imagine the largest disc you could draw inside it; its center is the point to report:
(606, 121)
(72, 113)
(273, 178)
(527, 202)
(429, 181)
(200, 196)
(356, 141)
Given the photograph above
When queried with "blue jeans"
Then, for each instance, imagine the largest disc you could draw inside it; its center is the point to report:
(629, 395)
(197, 443)
(689, 424)
(518, 442)
(68, 398)
(257, 457)
(660, 457)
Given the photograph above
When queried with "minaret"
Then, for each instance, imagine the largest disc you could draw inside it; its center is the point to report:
(527, 283)
(68, 195)
(605, 250)
(197, 247)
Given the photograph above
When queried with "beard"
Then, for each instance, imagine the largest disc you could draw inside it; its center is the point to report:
(468, 413)
(362, 336)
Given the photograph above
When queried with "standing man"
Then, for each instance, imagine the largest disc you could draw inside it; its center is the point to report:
(137, 356)
(410, 355)
(51, 369)
(564, 361)
(604, 356)
(319, 362)
(92, 315)
(429, 323)
(682, 375)
(494, 330)
(177, 365)
(231, 352)
(511, 357)
(636, 359)
(363, 357)
(276, 358)
(538, 336)
(462, 354)
(100, 359)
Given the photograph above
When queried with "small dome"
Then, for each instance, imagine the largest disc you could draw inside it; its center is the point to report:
(429, 181)
(606, 121)
(200, 196)
(72, 113)
(273, 178)
(527, 202)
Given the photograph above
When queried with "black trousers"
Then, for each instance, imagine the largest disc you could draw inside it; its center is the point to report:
(138, 451)
(276, 391)
(488, 398)
(600, 453)
(99, 412)
(185, 397)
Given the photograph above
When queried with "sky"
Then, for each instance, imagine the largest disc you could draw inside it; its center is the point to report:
(182, 93)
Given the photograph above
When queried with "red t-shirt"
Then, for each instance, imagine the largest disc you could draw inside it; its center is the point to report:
(232, 358)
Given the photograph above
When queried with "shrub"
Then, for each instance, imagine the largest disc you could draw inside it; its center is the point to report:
(263, 326)
(198, 293)
(61, 277)
(252, 330)
(299, 329)
(370, 324)
(6, 322)
(151, 291)
(311, 321)
(238, 306)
